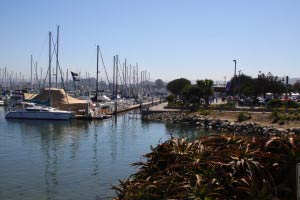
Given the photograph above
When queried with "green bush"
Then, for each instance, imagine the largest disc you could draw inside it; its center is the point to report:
(227, 106)
(279, 116)
(231, 104)
(204, 112)
(276, 116)
(274, 103)
(170, 98)
(243, 116)
(292, 104)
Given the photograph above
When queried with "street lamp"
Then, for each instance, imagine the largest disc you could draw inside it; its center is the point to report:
(239, 83)
(235, 81)
(234, 68)
(286, 93)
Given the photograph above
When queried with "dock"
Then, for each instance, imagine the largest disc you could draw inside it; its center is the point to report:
(159, 108)
(144, 106)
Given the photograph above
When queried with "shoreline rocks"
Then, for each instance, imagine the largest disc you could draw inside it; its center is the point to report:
(218, 124)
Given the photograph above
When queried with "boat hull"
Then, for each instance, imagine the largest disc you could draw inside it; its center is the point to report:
(39, 115)
(2, 103)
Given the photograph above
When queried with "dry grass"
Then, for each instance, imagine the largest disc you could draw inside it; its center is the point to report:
(263, 119)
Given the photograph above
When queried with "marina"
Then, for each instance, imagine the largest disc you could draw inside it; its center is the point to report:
(53, 98)
(146, 100)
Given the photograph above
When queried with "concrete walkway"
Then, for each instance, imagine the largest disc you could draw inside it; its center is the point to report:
(160, 108)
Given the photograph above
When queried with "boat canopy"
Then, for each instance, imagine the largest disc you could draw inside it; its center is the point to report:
(59, 99)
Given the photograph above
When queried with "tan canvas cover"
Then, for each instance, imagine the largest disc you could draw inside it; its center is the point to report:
(60, 100)
(29, 96)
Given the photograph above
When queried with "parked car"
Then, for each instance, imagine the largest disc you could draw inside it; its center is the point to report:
(261, 101)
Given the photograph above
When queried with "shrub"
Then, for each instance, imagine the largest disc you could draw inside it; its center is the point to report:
(292, 104)
(274, 103)
(204, 112)
(170, 98)
(227, 106)
(281, 117)
(243, 116)
(217, 167)
(275, 116)
(231, 104)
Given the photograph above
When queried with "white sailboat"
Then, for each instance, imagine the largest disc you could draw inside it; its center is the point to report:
(32, 111)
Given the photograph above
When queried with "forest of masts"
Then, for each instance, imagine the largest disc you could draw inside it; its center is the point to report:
(127, 79)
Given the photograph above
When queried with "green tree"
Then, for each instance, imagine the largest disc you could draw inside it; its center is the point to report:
(242, 85)
(191, 94)
(206, 89)
(269, 83)
(247, 86)
(159, 83)
(296, 86)
(176, 86)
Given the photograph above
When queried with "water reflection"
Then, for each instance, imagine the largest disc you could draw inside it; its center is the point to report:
(75, 159)
(187, 131)
(95, 171)
(50, 173)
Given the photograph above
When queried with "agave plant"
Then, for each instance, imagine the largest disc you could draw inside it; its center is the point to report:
(216, 167)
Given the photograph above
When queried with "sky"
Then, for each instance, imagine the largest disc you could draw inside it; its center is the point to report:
(194, 39)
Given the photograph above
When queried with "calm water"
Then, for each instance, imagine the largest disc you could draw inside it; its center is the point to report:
(74, 159)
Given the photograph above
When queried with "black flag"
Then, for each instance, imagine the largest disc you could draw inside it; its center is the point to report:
(75, 76)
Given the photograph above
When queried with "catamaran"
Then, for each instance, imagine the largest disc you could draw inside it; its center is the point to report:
(33, 111)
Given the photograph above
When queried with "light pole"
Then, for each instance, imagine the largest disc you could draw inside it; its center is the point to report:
(286, 93)
(235, 81)
(234, 68)
(239, 83)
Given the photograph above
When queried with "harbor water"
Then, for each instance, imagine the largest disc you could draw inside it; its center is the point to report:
(75, 159)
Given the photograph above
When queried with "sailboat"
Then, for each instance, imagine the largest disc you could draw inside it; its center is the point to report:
(33, 111)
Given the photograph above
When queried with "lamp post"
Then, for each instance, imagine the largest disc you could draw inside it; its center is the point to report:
(235, 81)
(286, 91)
(239, 82)
(234, 68)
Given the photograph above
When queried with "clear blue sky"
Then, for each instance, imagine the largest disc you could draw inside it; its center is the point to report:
(170, 38)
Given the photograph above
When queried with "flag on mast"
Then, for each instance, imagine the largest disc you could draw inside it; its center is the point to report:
(75, 76)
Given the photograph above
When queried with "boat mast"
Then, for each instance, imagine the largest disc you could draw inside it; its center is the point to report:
(56, 56)
(113, 85)
(97, 72)
(116, 80)
(49, 69)
(30, 70)
(117, 73)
